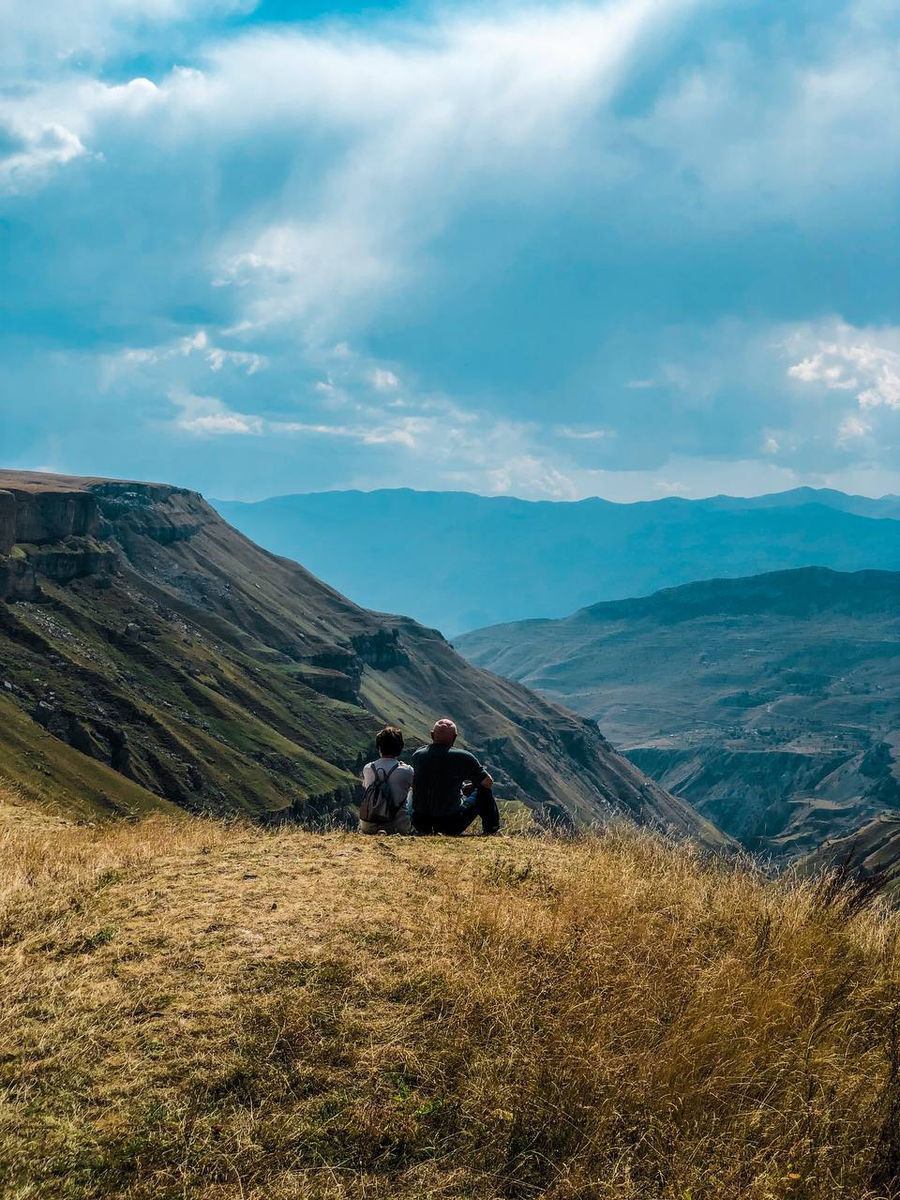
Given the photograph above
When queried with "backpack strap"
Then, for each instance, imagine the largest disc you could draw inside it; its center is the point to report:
(385, 775)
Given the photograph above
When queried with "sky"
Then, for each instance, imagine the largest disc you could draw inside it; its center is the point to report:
(632, 248)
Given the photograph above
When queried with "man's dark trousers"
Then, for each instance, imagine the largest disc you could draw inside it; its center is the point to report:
(480, 804)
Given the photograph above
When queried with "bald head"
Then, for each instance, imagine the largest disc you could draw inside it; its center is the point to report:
(444, 732)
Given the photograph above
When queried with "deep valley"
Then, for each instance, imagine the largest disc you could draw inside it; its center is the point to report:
(771, 703)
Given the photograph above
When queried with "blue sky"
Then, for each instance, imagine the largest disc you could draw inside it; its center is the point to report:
(629, 248)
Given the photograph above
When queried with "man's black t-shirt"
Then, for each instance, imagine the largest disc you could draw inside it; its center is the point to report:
(439, 773)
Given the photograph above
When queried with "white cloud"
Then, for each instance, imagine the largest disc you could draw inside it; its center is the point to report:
(195, 341)
(384, 380)
(207, 416)
(439, 433)
(885, 383)
(216, 424)
(584, 435)
(407, 125)
(530, 475)
(361, 150)
(814, 370)
(43, 147)
(852, 429)
(216, 357)
(405, 433)
(858, 360)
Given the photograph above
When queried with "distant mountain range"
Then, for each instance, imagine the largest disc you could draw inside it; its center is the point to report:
(457, 561)
(151, 656)
(771, 703)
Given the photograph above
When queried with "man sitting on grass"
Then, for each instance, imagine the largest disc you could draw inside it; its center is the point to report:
(442, 776)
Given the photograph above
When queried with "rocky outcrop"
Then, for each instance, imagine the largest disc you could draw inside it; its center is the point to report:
(336, 684)
(53, 530)
(73, 559)
(382, 650)
(51, 533)
(157, 511)
(17, 579)
(43, 517)
(22, 571)
(7, 522)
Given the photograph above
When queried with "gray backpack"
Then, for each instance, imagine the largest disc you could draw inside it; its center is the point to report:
(378, 805)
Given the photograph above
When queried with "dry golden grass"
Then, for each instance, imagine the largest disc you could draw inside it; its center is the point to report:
(195, 1010)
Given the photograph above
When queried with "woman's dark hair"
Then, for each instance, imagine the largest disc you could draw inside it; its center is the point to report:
(389, 742)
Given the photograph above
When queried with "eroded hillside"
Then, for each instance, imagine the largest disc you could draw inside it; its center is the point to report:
(771, 703)
(150, 655)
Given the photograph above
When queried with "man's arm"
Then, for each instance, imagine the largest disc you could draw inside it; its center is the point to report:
(478, 777)
(485, 782)
(481, 778)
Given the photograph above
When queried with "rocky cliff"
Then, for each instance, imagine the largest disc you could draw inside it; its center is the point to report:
(60, 530)
(144, 635)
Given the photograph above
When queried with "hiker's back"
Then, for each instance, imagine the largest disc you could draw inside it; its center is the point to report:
(439, 773)
(383, 808)
(439, 802)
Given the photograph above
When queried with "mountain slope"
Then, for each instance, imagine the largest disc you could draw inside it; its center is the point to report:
(470, 561)
(870, 854)
(771, 703)
(146, 637)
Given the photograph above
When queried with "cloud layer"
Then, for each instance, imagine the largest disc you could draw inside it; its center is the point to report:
(627, 247)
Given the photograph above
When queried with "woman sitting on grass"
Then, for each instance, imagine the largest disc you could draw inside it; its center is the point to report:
(394, 779)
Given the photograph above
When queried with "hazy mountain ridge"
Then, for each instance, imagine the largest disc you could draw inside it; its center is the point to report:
(469, 561)
(771, 703)
(151, 655)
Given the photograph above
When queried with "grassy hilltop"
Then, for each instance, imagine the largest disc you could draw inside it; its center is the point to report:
(192, 1009)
